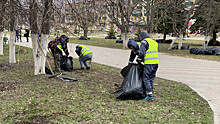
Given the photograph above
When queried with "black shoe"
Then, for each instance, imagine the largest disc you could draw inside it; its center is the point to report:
(88, 68)
(82, 68)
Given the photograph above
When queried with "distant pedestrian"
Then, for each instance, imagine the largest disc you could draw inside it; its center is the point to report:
(85, 54)
(18, 35)
(5, 39)
(26, 34)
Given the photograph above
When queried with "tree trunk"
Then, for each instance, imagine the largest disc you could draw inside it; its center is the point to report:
(214, 37)
(12, 58)
(125, 38)
(39, 59)
(85, 32)
(171, 45)
(180, 41)
(1, 43)
(13, 25)
(206, 41)
(164, 37)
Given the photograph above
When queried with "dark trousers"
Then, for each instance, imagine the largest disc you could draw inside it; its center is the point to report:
(148, 76)
(27, 39)
(56, 56)
(18, 37)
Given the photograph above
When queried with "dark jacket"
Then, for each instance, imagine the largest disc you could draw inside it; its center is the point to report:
(26, 33)
(63, 43)
(144, 44)
(78, 50)
(18, 32)
(133, 54)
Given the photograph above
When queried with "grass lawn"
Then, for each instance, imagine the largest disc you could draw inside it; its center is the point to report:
(163, 47)
(25, 98)
(100, 42)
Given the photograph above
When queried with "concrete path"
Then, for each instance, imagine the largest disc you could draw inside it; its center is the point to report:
(201, 75)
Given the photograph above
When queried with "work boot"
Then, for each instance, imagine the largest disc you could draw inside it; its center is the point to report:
(148, 98)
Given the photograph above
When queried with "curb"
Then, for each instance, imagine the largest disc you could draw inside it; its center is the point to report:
(216, 121)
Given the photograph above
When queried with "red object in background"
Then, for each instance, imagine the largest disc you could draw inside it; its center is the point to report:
(190, 23)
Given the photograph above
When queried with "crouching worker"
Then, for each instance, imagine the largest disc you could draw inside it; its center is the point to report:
(149, 55)
(57, 48)
(84, 54)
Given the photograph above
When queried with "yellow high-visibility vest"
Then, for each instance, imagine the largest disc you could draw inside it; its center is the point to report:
(85, 50)
(151, 55)
(59, 46)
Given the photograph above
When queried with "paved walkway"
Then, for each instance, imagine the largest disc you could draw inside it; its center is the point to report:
(200, 75)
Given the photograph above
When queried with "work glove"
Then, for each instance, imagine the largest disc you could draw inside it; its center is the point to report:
(138, 60)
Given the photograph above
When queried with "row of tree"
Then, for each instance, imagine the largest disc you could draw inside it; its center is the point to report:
(164, 15)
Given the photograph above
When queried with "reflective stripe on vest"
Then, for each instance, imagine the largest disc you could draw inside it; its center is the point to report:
(59, 46)
(139, 44)
(151, 56)
(85, 50)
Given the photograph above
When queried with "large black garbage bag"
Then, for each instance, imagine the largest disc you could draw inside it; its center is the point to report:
(48, 71)
(66, 63)
(125, 70)
(132, 87)
(215, 51)
(184, 47)
(194, 50)
(202, 51)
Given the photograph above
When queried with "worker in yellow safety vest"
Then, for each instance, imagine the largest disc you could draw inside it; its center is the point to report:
(57, 52)
(84, 54)
(148, 54)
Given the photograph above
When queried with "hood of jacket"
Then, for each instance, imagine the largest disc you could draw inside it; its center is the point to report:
(133, 43)
(143, 35)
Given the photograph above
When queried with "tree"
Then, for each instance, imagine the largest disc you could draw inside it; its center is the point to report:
(40, 24)
(212, 20)
(180, 15)
(13, 25)
(165, 23)
(85, 12)
(2, 20)
(120, 11)
(152, 9)
(37, 52)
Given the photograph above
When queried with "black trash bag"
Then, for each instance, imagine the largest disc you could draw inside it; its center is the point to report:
(168, 41)
(84, 38)
(113, 37)
(68, 79)
(194, 50)
(119, 41)
(48, 71)
(175, 47)
(201, 51)
(132, 87)
(159, 41)
(215, 51)
(208, 51)
(185, 47)
(66, 63)
(125, 70)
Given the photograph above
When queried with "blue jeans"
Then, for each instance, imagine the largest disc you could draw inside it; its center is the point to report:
(148, 76)
(83, 59)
